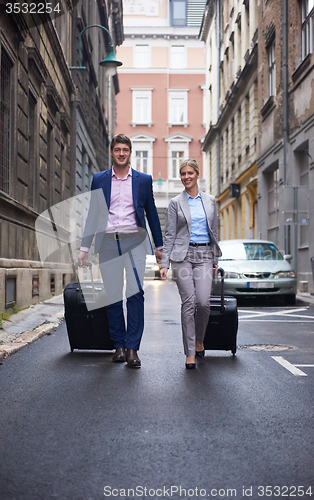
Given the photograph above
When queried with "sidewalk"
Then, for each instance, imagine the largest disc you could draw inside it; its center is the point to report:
(30, 324)
(306, 297)
(41, 319)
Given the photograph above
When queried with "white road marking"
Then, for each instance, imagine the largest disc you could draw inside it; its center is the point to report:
(306, 366)
(291, 368)
(287, 313)
(298, 321)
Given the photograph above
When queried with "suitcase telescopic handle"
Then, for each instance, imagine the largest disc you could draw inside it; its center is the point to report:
(86, 264)
(222, 301)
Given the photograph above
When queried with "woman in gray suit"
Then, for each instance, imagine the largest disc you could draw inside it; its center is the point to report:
(192, 248)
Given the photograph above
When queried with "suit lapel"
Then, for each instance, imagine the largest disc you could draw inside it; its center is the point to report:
(208, 210)
(135, 186)
(206, 204)
(184, 203)
(107, 186)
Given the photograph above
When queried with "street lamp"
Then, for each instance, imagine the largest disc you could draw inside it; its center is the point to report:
(110, 62)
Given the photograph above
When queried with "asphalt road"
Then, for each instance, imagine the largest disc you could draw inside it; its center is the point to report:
(75, 426)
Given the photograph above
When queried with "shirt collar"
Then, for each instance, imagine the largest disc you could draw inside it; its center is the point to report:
(113, 174)
(191, 197)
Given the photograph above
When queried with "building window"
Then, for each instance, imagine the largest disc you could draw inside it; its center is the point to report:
(177, 57)
(187, 12)
(177, 158)
(142, 56)
(178, 12)
(35, 285)
(52, 283)
(273, 205)
(247, 124)
(307, 27)
(304, 181)
(141, 161)
(142, 107)
(31, 150)
(142, 153)
(10, 291)
(271, 68)
(5, 121)
(178, 104)
(178, 150)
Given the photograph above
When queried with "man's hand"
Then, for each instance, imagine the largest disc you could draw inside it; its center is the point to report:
(82, 258)
(163, 273)
(158, 255)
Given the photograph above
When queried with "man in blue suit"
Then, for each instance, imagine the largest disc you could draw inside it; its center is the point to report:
(121, 197)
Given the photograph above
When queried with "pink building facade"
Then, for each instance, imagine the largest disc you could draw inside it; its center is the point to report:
(161, 101)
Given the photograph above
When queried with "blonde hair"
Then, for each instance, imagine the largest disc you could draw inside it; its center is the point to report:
(190, 163)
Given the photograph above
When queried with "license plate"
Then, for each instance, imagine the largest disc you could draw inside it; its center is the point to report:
(263, 284)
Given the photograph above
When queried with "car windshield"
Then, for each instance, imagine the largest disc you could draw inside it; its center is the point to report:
(250, 251)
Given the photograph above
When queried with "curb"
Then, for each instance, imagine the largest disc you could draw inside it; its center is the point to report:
(305, 297)
(26, 338)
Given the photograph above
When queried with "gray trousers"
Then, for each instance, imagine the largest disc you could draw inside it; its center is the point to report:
(194, 280)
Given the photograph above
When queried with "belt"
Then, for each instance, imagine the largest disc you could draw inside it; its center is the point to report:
(120, 235)
(198, 244)
(113, 236)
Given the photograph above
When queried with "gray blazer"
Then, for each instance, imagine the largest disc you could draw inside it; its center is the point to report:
(178, 229)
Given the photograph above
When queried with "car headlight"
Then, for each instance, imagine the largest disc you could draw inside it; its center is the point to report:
(285, 274)
(232, 276)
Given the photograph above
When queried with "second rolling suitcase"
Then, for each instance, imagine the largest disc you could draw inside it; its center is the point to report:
(87, 329)
(222, 328)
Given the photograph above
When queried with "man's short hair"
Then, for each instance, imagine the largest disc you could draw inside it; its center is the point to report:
(120, 139)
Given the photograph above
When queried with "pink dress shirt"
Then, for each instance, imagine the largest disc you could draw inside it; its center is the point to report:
(122, 210)
(121, 217)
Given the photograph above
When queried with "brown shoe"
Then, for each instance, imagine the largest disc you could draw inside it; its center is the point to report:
(119, 356)
(133, 361)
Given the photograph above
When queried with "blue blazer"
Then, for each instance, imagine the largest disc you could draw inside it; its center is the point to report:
(144, 203)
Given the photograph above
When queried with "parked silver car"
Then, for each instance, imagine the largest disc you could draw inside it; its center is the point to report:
(152, 269)
(256, 268)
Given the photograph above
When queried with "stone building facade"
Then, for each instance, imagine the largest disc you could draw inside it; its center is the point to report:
(286, 121)
(229, 31)
(53, 133)
(259, 154)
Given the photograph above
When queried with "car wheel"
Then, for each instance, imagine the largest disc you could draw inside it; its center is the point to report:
(290, 300)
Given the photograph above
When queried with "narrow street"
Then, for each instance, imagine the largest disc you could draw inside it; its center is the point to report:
(77, 426)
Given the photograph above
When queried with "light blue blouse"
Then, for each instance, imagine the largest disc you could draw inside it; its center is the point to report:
(199, 229)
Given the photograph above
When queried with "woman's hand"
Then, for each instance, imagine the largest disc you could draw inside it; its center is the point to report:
(163, 273)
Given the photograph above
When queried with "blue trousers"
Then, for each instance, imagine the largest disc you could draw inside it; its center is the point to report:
(114, 267)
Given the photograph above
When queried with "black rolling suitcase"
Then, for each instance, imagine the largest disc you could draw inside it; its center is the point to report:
(222, 328)
(87, 329)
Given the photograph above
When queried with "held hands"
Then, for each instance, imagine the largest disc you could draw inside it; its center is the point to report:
(82, 258)
(158, 255)
(163, 273)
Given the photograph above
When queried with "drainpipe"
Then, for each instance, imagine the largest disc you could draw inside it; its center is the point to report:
(109, 97)
(285, 86)
(285, 131)
(218, 94)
